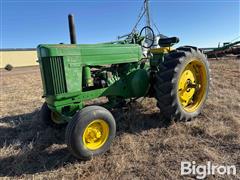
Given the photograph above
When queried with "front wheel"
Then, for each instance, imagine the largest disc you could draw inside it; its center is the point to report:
(90, 132)
(182, 83)
(50, 118)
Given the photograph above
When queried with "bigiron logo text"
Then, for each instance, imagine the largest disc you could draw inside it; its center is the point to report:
(203, 170)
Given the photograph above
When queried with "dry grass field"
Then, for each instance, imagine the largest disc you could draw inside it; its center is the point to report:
(146, 145)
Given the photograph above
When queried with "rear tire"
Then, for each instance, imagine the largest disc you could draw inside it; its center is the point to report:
(90, 132)
(182, 83)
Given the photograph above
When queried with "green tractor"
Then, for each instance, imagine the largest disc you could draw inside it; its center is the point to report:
(75, 73)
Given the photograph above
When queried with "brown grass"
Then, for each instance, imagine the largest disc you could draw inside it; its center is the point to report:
(146, 146)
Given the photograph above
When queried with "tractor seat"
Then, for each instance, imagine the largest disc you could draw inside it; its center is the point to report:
(169, 41)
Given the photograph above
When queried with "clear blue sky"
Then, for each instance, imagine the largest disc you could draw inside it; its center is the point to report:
(25, 24)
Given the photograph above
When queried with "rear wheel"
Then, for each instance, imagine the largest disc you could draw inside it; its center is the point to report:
(182, 83)
(90, 132)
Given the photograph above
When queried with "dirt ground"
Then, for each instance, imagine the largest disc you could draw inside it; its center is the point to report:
(146, 145)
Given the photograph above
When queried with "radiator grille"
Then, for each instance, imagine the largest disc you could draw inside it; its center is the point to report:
(54, 75)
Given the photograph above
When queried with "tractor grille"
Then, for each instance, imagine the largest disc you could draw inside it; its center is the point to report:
(54, 75)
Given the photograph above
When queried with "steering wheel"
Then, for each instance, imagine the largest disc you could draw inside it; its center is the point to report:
(148, 34)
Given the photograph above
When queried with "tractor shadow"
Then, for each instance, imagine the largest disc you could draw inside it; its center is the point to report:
(136, 118)
(39, 148)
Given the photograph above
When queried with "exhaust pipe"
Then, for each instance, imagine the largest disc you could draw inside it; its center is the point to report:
(72, 31)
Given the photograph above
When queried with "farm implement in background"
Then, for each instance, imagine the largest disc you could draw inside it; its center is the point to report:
(232, 48)
(139, 64)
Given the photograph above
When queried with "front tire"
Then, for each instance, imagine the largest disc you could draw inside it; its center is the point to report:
(90, 132)
(182, 83)
(49, 117)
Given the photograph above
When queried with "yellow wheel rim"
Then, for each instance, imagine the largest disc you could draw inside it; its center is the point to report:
(95, 134)
(192, 86)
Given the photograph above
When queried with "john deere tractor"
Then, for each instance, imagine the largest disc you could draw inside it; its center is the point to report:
(75, 73)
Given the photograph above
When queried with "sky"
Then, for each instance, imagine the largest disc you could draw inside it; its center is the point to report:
(25, 24)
